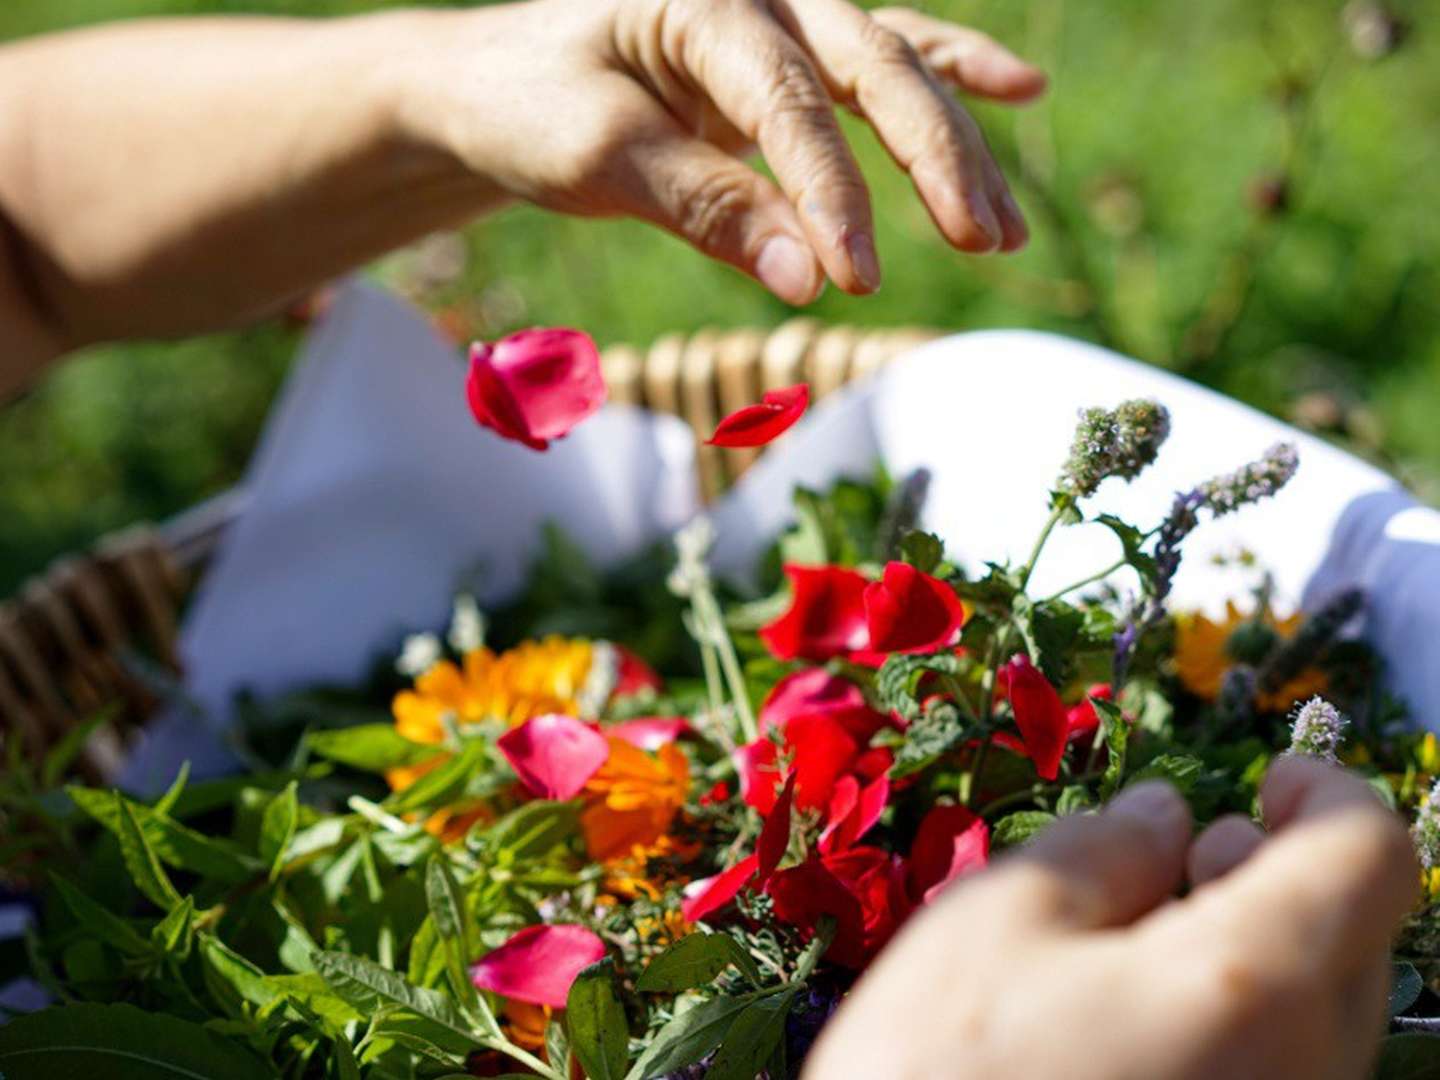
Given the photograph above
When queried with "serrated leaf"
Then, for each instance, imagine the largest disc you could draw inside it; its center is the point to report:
(922, 550)
(689, 1036)
(140, 858)
(172, 842)
(370, 747)
(309, 991)
(119, 1042)
(899, 676)
(595, 1020)
(752, 1038)
(1050, 629)
(1116, 734)
(928, 738)
(1405, 987)
(368, 986)
(447, 914)
(99, 921)
(1019, 827)
(277, 828)
(693, 961)
(176, 932)
(1182, 770)
(236, 973)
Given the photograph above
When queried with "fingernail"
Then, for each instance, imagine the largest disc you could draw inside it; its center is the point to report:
(787, 269)
(983, 214)
(1155, 804)
(863, 260)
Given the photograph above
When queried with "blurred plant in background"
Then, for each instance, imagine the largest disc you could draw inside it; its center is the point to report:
(1242, 191)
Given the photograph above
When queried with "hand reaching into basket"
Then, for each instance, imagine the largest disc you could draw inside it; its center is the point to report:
(167, 177)
(1070, 960)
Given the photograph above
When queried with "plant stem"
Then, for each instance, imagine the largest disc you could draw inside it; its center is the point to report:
(712, 622)
(529, 1060)
(1092, 579)
(1065, 504)
(972, 776)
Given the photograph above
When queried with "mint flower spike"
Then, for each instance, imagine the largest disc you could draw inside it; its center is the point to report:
(1316, 730)
(1113, 442)
(1426, 831)
(1251, 483)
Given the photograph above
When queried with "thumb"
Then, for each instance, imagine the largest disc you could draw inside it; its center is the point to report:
(1108, 869)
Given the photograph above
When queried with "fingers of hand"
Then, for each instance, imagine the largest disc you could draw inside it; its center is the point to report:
(765, 84)
(922, 126)
(965, 58)
(1224, 845)
(1107, 869)
(724, 209)
(1327, 888)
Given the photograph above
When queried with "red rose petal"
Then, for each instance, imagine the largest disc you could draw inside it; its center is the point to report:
(711, 894)
(1039, 714)
(536, 385)
(538, 964)
(815, 690)
(775, 834)
(756, 425)
(554, 755)
(826, 617)
(911, 612)
(950, 842)
(802, 894)
(867, 806)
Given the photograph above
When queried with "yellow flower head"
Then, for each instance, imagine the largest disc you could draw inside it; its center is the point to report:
(1202, 656)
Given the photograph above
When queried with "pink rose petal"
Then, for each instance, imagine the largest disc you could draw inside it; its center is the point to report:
(538, 964)
(554, 755)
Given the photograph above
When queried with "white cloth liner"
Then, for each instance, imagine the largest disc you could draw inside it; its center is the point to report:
(373, 493)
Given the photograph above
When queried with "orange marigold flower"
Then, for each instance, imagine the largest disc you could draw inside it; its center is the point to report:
(633, 800)
(1202, 656)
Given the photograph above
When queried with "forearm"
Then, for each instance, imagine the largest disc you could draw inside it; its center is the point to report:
(161, 178)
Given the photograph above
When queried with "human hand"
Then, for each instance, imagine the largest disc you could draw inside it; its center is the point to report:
(642, 107)
(1070, 959)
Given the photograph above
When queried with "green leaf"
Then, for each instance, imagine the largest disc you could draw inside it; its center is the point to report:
(176, 845)
(534, 828)
(98, 921)
(140, 858)
(1016, 828)
(693, 961)
(370, 747)
(441, 785)
(752, 1038)
(119, 1042)
(277, 828)
(1116, 734)
(898, 677)
(928, 738)
(689, 1036)
(309, 991)
(1051, 629)
(1410, 1056)
(1182, 770)
(1405, 987)
(166, 802)
(346, 1067)
(595, 1019)
(176, 932)
(447, 913)
(922, 550)
(1131, 540)
(368, 987)
(557, 1045)
(236, 973)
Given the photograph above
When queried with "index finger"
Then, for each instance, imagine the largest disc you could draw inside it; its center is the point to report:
(1331, 882)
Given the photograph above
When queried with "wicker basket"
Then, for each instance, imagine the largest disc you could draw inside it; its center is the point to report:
(90, 632)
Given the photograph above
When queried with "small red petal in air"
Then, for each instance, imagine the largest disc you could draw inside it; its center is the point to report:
(756, 425)
(554, 755)
(538, 964)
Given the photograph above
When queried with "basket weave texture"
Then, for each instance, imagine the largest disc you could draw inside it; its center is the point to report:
(97, 631)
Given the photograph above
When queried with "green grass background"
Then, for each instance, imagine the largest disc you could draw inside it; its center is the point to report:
(1140, 174)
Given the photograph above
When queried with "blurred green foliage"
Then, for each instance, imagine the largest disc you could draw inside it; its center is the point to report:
(1244, 191)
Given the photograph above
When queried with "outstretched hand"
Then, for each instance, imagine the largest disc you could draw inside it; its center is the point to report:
(644, 107)
(1071, 958)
